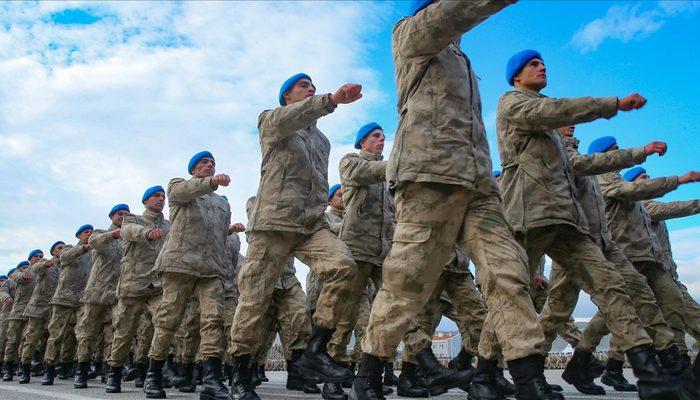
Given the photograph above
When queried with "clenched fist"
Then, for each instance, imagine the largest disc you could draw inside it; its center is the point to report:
(86, 248)
(116, 234)
(236, 228)
(155, 234)
(655, 147)
(631, 102)
(688, 177)
(347, 94)
(220, 180)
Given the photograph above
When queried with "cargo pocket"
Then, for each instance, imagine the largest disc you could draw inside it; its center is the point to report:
(252, 277)
(405, 269)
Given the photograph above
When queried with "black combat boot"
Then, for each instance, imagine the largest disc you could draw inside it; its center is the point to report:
(9, 371)
(169, 374)
(81, 376)
(333, 391)
(484, 385)
(672, 361)
(690, 385)
(295, 379)
(66, 371)
(213, 387)
(529, 380)
(141, 370)
(198, 373)
(153, 385)
(368, 381)
(114, 380)
(261, 372)
(439, 377)
(652, 381)
(49, 374)
(597, 368)
(316, 363)
(187, 374)
(37, 364)
(613, 377)
(241, 387)
(25, 373)
(255, 378)
(408, 383)
(462, 362)
(104, 370)
(94, 370)
(390, 378)
(129, 370)
(504, 386)
(577, 373)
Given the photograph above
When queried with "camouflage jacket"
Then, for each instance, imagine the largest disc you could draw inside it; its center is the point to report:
(293, 190)
(587, 190)
(75, 270)
(334, 217)
(441, 136)
(368, 220)
(46, 282)
(23, 294)
(200, 218)
(136, 278)
(7, 290)
(235, 260)
(659, 212)
(101, 286)
(628, 221)
(537, 180)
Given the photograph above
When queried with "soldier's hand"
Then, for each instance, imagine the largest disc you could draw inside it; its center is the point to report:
(27, 276)
(117, 233)
(48, 264)
(347, 94)
(236, 228)
(688, 177)
(631, 102)
(86, 248)
(8, 301)
(655, 147)
(220, 180)
(155, 234)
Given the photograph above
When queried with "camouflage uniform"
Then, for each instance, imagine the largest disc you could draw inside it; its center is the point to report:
(100, 295)
(288, 219)
(630, 226)
(39, 310)
(75, 270)
(444, 190)
(138, 292)
(7, 291)
(538, 187)
(193, 262)
(314, 282)
(233, 248)
(17, 321)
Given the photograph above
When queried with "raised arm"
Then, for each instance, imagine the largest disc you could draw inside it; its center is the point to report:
(355, 171)
(181, 191)
(40, 267)
(70, 254)
(600, 163)
(276, 124)
(133, 231)
(100, 239)
(612, 185)
(660, 211)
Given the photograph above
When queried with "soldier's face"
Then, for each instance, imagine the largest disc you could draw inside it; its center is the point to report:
(118, 217)
(374, 142)
(533, 76)
(58, 250)
(567, 131)
(205, 167)
(300, 91)
(156, 202)
(35, 258)
(337, 200)
(84, 236)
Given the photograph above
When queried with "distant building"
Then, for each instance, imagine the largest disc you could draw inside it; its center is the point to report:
(446, 345)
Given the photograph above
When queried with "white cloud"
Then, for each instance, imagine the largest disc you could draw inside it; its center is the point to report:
(629, 22)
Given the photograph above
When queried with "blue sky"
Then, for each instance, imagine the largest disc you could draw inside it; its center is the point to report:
(100, 100)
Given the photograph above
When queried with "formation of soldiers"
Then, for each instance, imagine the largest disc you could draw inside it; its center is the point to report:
(388, 259)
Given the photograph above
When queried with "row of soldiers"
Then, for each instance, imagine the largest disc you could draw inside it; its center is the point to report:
(409, 226)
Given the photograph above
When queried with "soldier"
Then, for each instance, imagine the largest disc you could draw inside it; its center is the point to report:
(100, 294)
(138, 292)
(542, 207)
(25, 281)
(288, 219)
(7, 295)
(38, 310)
(440, 174)
(233, 248)
(76, 262)
(193, 262)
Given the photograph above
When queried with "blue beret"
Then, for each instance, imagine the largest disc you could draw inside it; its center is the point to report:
(117, 208)
(633, 173)
(496, 174)
(22, 264)
(53, 246)
(11, 271)
(332, 190)
(517, 62)
(289, 83)
(34, 252)
(150, 191)
(3, 277)
(364, 131)
(83, 228)
(602, 144)
(196, 158)
(417, 5)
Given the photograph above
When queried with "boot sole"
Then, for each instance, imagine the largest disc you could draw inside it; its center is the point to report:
(421, 396)
(156, 396)
(205, 396)
(113, 390)
(314, 377)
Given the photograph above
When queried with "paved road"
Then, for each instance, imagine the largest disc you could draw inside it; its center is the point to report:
(270, 390)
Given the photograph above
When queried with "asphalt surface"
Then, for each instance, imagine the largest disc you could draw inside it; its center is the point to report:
(270, 390)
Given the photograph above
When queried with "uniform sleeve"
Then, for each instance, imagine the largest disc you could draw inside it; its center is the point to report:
(100, 239)
(133, 231)
(435, 27)
(355, 171)
(275, 125)
(542, 114)
(612, 185)
(600, 163)
(70, 254)
(39, 267)
(181, 191)
(660, 211)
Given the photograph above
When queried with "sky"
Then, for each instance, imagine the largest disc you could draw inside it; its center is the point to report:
(99, 101)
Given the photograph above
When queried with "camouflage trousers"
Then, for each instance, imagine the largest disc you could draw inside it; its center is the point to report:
(433, 218)
(568, 330)
(314, 283)
(4, 314)
(462, 303)
(35, 334)
(271, 329)
(692, 313)
(144, 336)
(230, 304)
(188, 349)
(96, 320)
(178, 288)
(361, 327)
(338, 345)
(60, 347)
(268, 252)
(15, 339)
(129, 314)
